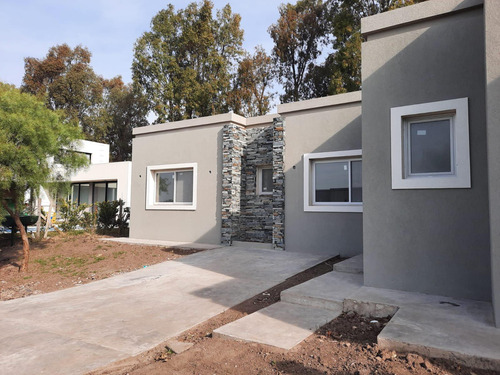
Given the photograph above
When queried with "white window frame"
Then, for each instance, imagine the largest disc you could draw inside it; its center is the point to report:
(153, 170)
(310, 205)
(259, 180)
(457, 110)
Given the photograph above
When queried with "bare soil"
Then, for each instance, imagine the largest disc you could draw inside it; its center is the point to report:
(67, 260)
(347, 345)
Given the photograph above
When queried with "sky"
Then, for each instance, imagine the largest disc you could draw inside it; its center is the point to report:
(108, 28)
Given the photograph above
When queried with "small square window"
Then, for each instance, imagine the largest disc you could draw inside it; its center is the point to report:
(265, 180)
(430, 145)
(171, 187)
(332, 181)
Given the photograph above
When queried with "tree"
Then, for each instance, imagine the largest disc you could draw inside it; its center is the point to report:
(251, 96)
(298, 36)
(125, 109)
(106, 110)
(341, 71)
(30, 137)
(184, 65)
(66, 81)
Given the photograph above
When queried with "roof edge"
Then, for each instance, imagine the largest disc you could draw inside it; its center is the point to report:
(414, 13)
(189, 123)
(327, 101)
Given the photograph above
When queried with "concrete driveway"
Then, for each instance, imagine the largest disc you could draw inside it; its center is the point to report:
(83, 328)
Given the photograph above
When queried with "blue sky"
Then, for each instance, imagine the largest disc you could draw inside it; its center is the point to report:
(108, 28)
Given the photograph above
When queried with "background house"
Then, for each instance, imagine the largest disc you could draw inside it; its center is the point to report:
(101, 180)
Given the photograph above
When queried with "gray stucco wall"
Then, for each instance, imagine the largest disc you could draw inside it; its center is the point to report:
(334, 128)
(492, 32)
(202, 145)
(436, 240)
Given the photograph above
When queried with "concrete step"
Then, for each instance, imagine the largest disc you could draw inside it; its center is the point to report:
(253, 245)
(351, 265)
(327, 291)
(282, 324)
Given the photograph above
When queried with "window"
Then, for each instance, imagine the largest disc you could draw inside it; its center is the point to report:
(332, 181)
(265, 180)
(81, 193)
(91, 193)
(171, 187)
(105, 191)
(430, 145)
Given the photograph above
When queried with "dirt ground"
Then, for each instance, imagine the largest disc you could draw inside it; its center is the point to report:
(347, 345)
(64, 261)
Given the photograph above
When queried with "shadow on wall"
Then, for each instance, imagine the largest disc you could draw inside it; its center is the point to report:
(332, 233)
(425, 240)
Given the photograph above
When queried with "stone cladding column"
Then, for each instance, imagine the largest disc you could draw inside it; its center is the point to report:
(233, 142)
(278, 183)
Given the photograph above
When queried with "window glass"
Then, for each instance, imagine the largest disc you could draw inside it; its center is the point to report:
(111, 196)
(99, 192)
(356, 186)
(331, 181)
(85, 194)
(184, 186)
(430, 147)
(266, 180)
(74, 193)
(165, 187)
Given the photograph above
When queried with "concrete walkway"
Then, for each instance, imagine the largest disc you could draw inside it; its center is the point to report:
(80, 329)
(435, 326)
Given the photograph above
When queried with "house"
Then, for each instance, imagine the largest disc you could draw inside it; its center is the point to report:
(407, 174)
(100, 180)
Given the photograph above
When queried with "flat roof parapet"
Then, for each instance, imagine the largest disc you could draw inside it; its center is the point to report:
(327, 101)
(190, 123)
(414, 13)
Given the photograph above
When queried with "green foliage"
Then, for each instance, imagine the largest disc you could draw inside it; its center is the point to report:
(183, 66)
(302, 32)
(298, 35)
(73, 215)
(31, 136)
(113, 214)
(126, 109)
(341, 71)
(66, 81)
(106, 110)
(250, 95)
(107, 214)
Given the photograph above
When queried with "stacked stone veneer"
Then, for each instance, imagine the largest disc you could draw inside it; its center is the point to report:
(233, 144)
(246, 215)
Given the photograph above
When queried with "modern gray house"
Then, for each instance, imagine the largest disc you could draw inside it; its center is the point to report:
(406, 172)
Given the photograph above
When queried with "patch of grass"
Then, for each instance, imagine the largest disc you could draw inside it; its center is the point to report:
(98, 247)
(117, 254)
(61, 265)
(27, 277)
(77, 262)
(42, 262)
(98, 259)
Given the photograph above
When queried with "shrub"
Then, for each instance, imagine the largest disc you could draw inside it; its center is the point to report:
(72, 215)
(107, 212)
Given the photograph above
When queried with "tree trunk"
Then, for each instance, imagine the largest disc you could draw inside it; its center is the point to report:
(39, 221)
(48, 221)
(26, 244)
